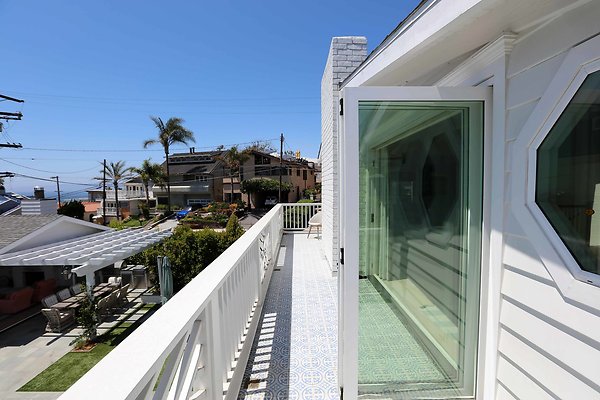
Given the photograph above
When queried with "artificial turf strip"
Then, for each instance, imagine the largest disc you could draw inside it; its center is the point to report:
(61, 375)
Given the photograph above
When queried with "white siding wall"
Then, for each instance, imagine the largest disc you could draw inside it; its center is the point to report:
(546, 345)
(345, 54)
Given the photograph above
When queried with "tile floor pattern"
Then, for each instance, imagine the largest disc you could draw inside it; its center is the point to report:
(392, 364)
(294, 354)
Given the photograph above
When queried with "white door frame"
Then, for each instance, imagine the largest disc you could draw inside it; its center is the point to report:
(349, 208)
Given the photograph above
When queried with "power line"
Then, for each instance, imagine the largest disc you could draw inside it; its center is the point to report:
(143, 150)
(43, 170)
(51, 180)
(171, 100)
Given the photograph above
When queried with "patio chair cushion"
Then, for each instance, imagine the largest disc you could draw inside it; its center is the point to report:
(63, 294)
(42, 289)
(16, 301)
(49, 301)
(114, 280)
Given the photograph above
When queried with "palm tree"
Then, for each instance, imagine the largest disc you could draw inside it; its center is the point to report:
(169, 133)
(233, 160)
(116, 172)
(149, 171)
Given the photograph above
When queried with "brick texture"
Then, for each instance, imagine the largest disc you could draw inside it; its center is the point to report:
(345, 54)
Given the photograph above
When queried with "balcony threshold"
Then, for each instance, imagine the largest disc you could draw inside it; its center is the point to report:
(294, 353)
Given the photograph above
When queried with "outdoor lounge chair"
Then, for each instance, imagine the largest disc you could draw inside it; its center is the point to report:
(63, 294)
(58, 321)
(122, 297)
(113, 300)
(102, 307)
(49, 301)
(315, 221)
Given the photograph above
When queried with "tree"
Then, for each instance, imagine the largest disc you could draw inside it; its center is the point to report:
(233, 160)
(263, 147)
(117, 172)
(149, 171)
(73, 208)
(171, 132)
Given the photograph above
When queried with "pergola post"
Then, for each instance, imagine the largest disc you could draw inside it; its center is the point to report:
(90, 281)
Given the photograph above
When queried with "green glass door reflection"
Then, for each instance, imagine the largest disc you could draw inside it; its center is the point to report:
(420, 236)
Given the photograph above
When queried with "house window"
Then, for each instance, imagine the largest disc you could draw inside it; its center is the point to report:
(297, 172)
(304, 174)
(261, 160)
(568, 175)
(201, 178)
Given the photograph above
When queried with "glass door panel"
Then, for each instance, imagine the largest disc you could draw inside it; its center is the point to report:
(420, 211)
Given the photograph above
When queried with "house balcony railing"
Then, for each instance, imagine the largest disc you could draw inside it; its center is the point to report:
(183, 187)
(297, 215)
(135, 194)
(110, 211)
(197, 344)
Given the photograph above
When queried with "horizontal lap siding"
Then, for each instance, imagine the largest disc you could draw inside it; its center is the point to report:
(548, 348)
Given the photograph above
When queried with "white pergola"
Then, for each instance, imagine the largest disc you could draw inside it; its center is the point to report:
(88, 254)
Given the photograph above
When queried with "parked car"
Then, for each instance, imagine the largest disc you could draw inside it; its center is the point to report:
(271, 201)
(182, 213)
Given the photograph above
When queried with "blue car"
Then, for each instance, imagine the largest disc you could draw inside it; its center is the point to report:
(182, 213)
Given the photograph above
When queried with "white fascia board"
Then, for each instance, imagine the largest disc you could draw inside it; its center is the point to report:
(432, 19)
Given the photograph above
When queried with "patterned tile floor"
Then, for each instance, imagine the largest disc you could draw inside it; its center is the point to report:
(392, 363)
(294, 355)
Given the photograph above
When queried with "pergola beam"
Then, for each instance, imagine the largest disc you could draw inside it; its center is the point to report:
(90, 253)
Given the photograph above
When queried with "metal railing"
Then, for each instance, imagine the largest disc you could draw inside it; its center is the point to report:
(297, 215)
(197, 344)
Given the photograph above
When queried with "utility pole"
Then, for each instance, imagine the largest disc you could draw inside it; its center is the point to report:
(104, 194)
(57, 188)
(280, 163)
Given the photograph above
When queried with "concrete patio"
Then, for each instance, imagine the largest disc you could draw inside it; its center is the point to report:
(26, 350)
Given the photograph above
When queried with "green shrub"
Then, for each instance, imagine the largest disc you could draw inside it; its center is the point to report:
(189, 252)
(73, 208)
(261, 185)
(116, 224)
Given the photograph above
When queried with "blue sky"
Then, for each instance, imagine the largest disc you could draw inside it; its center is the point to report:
(91, 74)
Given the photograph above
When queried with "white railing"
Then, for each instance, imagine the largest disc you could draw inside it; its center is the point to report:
(109, 210)
(297, 215)
(197, 344)
(135, 194)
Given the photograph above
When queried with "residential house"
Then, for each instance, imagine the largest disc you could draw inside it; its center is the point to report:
(198, 178)
(14, 204)
(460, 198)
(297, 172)
(129, 198)
(195, 179)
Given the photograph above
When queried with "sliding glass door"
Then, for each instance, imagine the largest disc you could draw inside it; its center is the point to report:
(419, 190)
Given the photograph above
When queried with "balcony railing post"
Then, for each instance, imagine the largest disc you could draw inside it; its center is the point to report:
(215, 368)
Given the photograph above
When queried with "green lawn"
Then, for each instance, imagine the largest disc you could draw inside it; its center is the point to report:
(67, 370)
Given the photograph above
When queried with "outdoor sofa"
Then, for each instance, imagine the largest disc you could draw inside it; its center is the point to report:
(16, 301)
(42, 289)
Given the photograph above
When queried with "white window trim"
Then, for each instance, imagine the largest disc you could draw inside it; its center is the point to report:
(575, 284)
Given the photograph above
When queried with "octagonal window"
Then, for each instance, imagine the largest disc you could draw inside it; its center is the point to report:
(568, 175)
